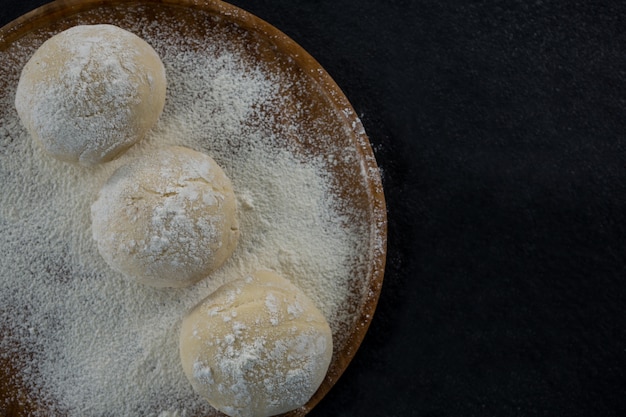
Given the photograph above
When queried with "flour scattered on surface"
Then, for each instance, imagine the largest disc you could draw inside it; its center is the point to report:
(90, 343)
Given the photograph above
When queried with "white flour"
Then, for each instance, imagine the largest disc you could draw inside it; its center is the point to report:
(91, 343)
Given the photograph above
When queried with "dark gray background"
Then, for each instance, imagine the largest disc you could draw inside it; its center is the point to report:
(500, 129)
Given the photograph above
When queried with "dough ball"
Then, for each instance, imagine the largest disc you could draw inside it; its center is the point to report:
(167, 219)
(90, 92)
(256, 347)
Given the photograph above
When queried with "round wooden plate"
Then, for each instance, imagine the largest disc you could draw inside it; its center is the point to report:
(357, 182)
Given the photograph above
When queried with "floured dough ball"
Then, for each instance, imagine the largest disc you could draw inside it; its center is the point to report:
(167, 219)
(256, 347)
(90, 92)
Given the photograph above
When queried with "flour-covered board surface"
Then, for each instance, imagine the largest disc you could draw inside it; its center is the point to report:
(76, 338)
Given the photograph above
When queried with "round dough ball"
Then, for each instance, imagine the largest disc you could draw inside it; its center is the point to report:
(256, 347)
(91, 92)
(167, 219)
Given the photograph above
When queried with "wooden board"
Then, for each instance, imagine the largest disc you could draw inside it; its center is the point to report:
(357, 182)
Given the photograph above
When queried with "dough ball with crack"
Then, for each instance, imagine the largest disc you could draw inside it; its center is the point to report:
(90, 92)
(167, 219)
(256, 347)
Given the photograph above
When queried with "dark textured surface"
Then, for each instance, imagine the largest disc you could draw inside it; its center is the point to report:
(500, 130)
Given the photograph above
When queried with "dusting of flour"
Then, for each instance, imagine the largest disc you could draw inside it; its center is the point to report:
(91, 343)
